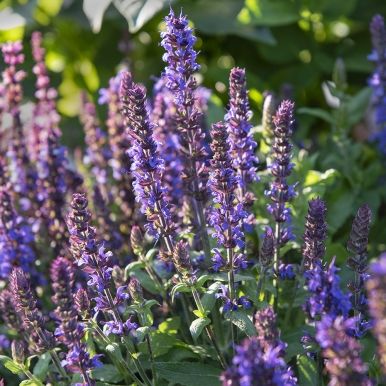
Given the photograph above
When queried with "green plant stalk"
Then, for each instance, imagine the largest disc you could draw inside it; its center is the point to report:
(231, 286)
(30, 376)
(208, 329)
(276, 259)
(149, 347)
(107, 341)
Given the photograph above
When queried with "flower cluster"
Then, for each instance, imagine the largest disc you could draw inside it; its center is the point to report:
(342, 352)
(70, 332)
(315, 234)
(280, 191)
(376, 289)
(254, 364)
(357, 246)
(147, 166)
(326, 297)
(242, 145)
(227, 216)
(378, 79)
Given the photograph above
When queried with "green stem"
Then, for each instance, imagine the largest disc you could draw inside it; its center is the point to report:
(32, 377)
(56, 361)
(232, 292)
(276, 259)
(208, 329)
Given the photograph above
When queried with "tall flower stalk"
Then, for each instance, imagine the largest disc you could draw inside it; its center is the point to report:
(242, 144)
(378, 80)
(178, 41)
(228, 214)
(280, 191)
(70, 332)
(376, 289)
(357, 246)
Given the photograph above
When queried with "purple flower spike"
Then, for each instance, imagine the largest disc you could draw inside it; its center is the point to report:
(357, 246)
(254, 364)
(25, 304)
(227, 216)
(69, 331)
(378, 80)
(147, 166)
(376, 289)
(315, 234)
(326, 297)
(342, 352)
(178, 41)
(242, 145)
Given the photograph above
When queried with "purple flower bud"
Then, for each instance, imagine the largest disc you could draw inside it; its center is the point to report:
(181, 260)
(267, 248)
(82, 303)
(135, 290)
(136, 240)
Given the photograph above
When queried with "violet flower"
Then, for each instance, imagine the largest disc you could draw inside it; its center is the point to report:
(315, 234)
(147, 166)
(178, 41)
(326, 297)
(227, 215)
(378, 80)
(25, 304)
(119, 143)
(357, 246)
(16, 237)
(97, 152)
(266, 328)
(90, 254)
(342, 352)
(376, 289)
(254, 365)
(242, 144)
(22, 174)
(70, 332)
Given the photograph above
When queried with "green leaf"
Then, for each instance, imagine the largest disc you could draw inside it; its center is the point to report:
(146, 281)
(162, 342)
(209, 299)
(242, 321)
(170, 325)
(180, 287)
(316, 112)
(138, 12)
(29, 382)
(188, 373)
(12, 366)
(141, 332)
(357, 106)
(201, 281)
(134, 266)
(114, 350)
(270, 12)
(220, 18)
(94, 10)
(151, 253)
(224, 277)
(197, 326)
(41, 367)
(308, 374)
(106, 373)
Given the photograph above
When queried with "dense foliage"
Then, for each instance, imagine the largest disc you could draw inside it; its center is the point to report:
(173, 249)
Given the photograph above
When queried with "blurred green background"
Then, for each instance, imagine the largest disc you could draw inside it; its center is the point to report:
(280, 42)
(287, 46)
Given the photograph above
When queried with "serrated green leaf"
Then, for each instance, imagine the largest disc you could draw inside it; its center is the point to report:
(197, 326)
(242, 321)
(188, 373)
